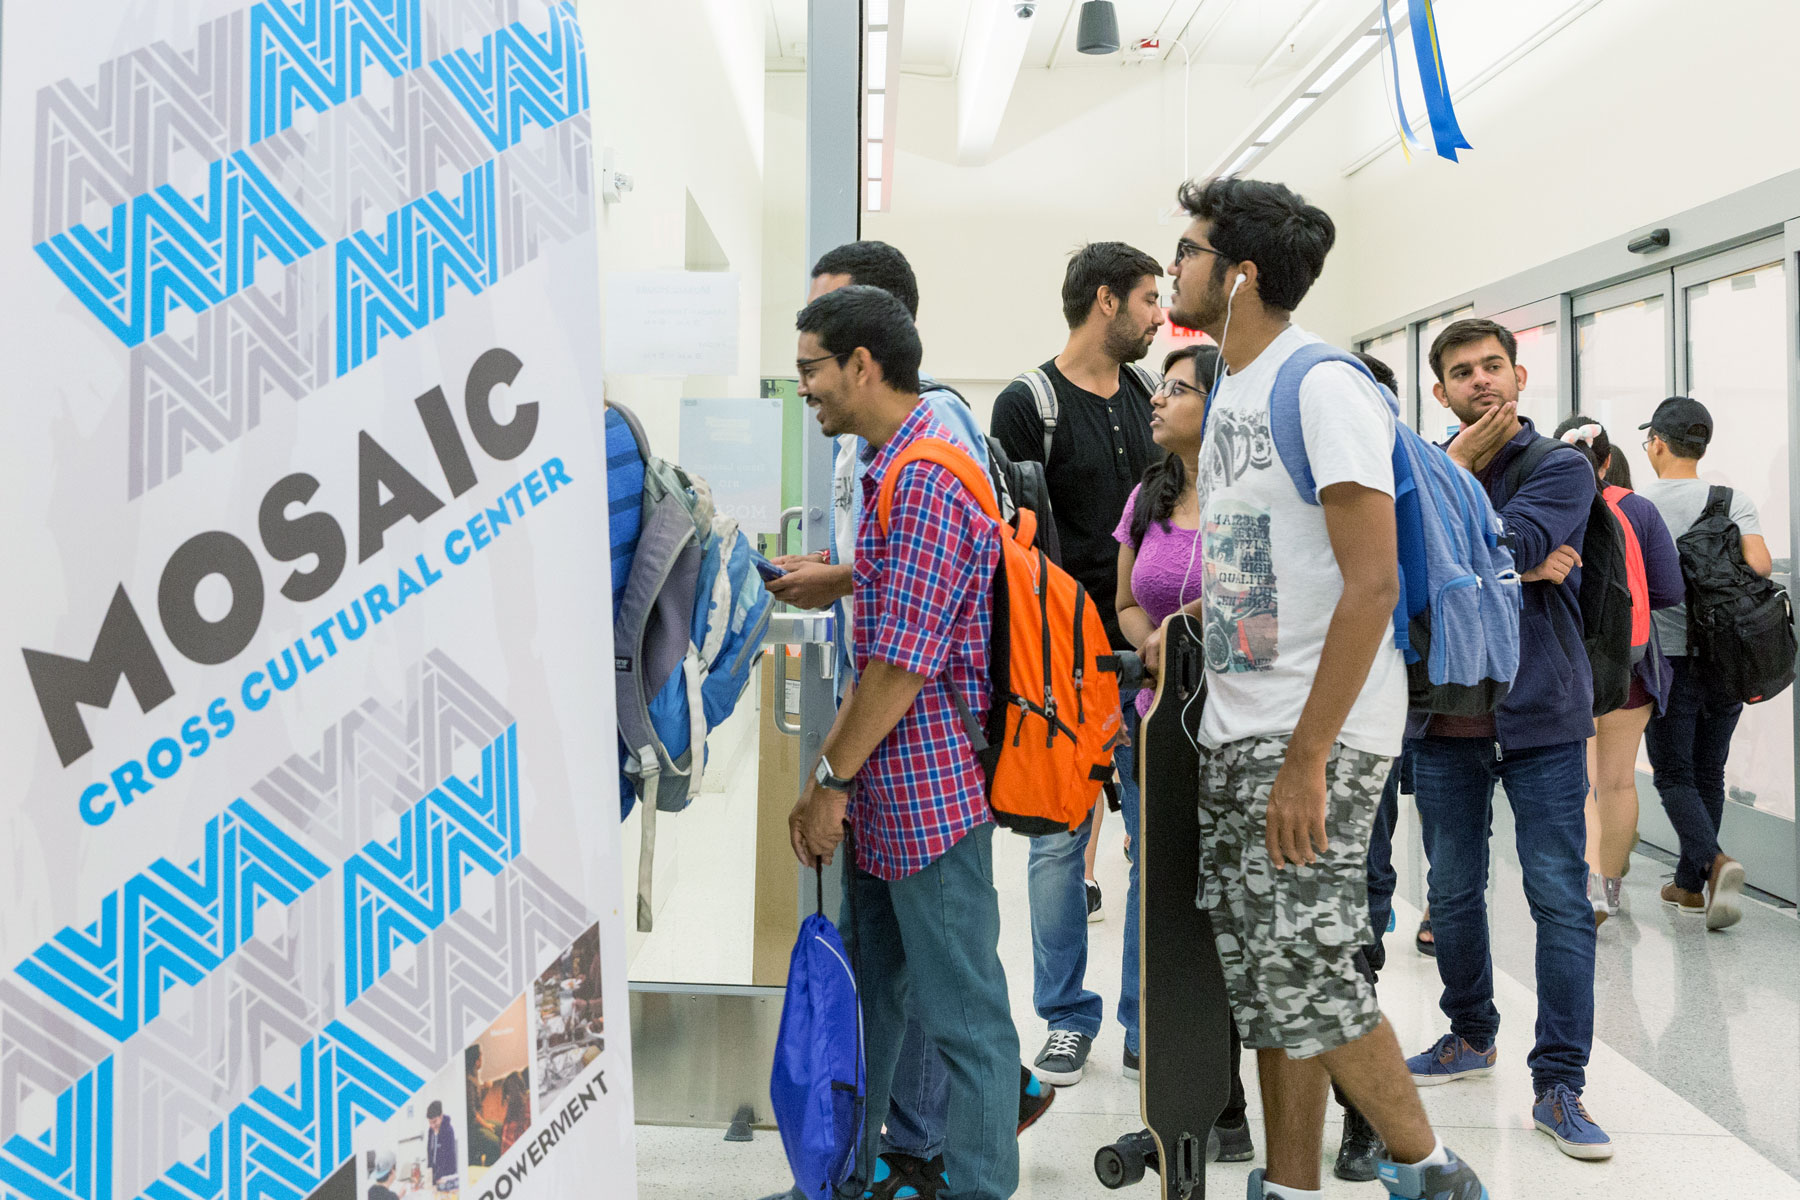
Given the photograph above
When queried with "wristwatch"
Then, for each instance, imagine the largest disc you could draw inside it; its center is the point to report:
(829, 779)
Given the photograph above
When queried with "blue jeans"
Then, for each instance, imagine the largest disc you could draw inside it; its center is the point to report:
(933, 939)
(1688, 747)
(1059, 940)
(1547, 788)
(1125, 762)
(1383, 879)
(919, 1097)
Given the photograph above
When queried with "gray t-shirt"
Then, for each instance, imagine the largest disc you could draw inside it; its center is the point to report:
(1681, 501)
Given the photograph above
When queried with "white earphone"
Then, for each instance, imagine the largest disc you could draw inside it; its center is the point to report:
(1238, 283)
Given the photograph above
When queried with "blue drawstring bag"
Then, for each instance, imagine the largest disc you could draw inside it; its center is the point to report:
(819, 1087)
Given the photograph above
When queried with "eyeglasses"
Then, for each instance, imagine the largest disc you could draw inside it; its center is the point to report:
(1186, 248)
(1175, 387)
(802, 364)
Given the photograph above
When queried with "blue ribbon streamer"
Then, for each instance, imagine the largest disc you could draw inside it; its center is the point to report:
(1445, 132)
(1387, 23)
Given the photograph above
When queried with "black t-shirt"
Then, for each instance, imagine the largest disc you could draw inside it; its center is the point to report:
(378, 1192)
(1101, 450)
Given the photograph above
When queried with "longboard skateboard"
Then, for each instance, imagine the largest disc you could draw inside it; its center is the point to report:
(1184, 1047)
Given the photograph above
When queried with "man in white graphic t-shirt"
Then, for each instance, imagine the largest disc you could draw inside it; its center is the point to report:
(1307, 694)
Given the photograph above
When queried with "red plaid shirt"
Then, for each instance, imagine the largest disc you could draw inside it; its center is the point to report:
(923, 604)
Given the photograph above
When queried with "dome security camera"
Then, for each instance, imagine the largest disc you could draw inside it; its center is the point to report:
(1024, 9)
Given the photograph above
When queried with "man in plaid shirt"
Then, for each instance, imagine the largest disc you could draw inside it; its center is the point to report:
(921, 912)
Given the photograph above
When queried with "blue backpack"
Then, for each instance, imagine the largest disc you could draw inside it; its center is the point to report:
(1457, 622)
(819, 1086)
(688, 627)
(625, 502)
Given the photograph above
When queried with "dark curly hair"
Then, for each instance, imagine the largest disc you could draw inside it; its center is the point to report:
(1267, 224)
(1166, 479)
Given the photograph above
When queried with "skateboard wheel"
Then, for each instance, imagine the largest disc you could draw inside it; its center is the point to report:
(1118, 1166)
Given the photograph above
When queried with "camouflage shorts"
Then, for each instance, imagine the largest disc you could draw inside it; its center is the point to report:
(1288, 939)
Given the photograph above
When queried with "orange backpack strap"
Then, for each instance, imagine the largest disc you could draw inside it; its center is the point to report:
(952, 458)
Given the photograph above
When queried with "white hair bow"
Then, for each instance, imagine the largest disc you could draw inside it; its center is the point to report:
(1582, 433)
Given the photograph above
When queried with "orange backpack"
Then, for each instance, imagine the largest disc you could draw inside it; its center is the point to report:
(1054, 720)
(1635, 576)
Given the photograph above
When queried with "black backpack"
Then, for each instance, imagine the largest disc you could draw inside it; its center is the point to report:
(1740, 625)
(1017, 485)
(1605, 595)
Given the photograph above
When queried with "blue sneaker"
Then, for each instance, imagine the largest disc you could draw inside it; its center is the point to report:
(1453, 1182)
(1559, 1113)
(1449, 1060)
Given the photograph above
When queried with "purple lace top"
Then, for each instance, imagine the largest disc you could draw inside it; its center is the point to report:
(1162, 563)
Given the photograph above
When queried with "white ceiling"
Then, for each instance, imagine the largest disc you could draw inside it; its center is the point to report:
(1239, 33)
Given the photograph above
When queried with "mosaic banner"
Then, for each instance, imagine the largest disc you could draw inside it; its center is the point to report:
(311, 841)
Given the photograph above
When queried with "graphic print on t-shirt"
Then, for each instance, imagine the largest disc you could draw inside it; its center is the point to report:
(1243, 619)
(1238, 443)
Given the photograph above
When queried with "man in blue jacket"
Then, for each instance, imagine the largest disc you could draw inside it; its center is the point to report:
(1535, 745)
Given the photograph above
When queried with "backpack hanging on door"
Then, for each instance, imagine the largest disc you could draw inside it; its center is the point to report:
(1740, 624)
(1605, 596)
(1457, 623)
(687, 630)
(1054, 719)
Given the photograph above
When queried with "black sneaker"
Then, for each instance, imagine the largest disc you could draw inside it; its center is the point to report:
(1231, 1143)
(1131, 1064)
(1360, 1151)
(1063, 1057)
(1035, 1099)
(1095, 912)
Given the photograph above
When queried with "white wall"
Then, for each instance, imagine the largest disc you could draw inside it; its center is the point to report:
(785, 269)
(678, 95)
(1084, 154)
(1637, 110)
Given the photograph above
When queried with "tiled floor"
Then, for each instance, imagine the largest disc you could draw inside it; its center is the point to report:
(1695, 1071)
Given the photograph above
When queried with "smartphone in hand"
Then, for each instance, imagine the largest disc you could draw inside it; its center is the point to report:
(768, 570)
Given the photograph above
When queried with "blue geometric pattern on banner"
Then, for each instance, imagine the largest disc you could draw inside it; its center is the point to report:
(1445, 132)
(283, 1145)
(72, 1160)
(173, 924)
(395, 282)
(273, 1145)
(518, 77)
(314, 52)
(162, 248)
(400, 891)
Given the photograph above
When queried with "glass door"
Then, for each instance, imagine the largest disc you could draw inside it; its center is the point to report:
(1733, 311)
(1391, 349)
(1539, 328)
(730, 212)
(1436, 422)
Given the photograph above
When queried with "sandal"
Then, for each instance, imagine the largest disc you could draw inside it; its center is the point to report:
(1426, 941)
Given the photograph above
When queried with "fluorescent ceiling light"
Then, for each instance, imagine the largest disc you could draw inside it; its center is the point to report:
(1347, 62)
(1279, 127)
(878, 12)
(1249, 155)
(876, 119)
(874, 195)
(875, 60)
(872, 155)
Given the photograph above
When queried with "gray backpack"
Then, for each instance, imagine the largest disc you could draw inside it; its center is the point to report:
(1037, 381)
(687, 633)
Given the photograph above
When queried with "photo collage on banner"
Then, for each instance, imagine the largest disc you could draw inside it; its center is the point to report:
(311, 855)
